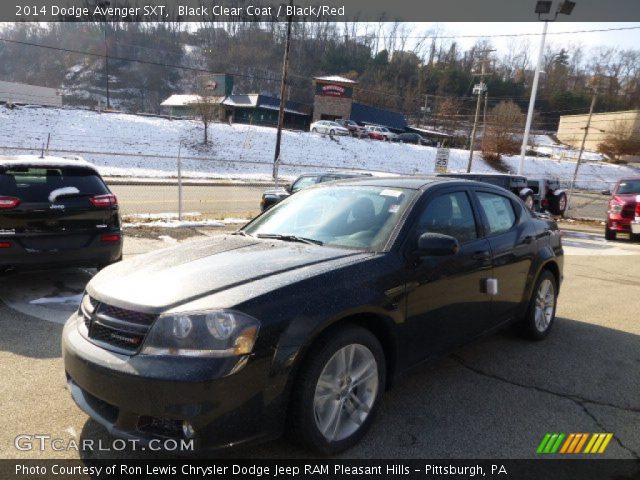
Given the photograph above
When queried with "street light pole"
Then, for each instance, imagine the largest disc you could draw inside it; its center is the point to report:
(481, 89)
(532, 99)
(543, 7)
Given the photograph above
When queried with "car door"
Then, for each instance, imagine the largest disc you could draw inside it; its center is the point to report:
(512, 247)
(446, 301)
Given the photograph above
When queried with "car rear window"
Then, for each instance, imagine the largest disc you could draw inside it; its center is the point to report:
(34, 184)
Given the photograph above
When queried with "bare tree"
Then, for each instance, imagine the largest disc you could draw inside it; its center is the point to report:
(207, 106)
(620, 142)
(501, 136)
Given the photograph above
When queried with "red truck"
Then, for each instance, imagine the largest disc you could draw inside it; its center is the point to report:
(623, 215)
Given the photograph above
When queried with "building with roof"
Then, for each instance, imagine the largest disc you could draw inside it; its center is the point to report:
(333, 97)
(625, 124)
(367, 115)
(257, 109)
(23, 94)
(183, 105)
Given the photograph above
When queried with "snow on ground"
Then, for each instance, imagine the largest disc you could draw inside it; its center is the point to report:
(138, 146)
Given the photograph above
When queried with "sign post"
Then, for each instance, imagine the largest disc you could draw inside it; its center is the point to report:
(442, 160)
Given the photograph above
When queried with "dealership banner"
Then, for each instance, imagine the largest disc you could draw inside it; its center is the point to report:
(304, 10)
(320, 469)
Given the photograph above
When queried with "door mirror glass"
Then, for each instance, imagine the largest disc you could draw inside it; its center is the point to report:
(437, 244)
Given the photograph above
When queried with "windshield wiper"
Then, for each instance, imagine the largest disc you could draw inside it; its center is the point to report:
(290, 238)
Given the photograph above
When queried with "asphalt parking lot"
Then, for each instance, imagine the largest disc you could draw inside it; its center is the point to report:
(492, 399)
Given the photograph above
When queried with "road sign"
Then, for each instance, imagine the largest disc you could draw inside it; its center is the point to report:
(442, 160)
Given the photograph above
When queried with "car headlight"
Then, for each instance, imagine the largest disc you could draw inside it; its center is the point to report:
(218, 333)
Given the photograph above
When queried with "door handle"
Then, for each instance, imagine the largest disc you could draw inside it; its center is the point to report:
(482, 256)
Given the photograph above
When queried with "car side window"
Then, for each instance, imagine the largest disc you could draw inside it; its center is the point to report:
(449, 214)
(304, 182)
(501, 216)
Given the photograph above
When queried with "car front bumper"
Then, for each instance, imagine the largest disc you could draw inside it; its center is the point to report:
(144, 398)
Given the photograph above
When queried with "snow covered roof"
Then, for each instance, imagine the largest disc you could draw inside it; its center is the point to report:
(249, 100)
(47, 161)
(184, 100)
(336, 78)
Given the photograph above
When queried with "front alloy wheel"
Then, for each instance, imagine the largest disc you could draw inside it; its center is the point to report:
(338, 390)
(345, 392)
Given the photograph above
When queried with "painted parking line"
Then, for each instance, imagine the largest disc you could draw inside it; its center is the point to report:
(582, 243)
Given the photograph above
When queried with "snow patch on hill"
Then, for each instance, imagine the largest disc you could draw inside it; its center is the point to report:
(139, 146)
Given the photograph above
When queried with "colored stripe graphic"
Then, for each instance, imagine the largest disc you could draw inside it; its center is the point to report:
(573, 443)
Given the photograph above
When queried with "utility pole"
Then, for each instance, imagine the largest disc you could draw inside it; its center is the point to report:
(283, 87)
(478, 89)
(484, 115)
(584, 140)
(104, 4)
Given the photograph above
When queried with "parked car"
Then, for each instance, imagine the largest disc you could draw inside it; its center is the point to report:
(623, 215)
(380, 133)
(275, 195)
(330, 127)
(548, 196)
(56, 212)
(303, 318)
(413, 138)
(514, 183)
(355, 130)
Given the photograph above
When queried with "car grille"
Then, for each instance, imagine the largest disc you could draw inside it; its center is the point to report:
(115, 328)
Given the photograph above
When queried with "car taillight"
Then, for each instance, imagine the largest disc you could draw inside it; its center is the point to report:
(637, 206)
(113, 237)
(103, 200)
(9, 202)
(6, 244)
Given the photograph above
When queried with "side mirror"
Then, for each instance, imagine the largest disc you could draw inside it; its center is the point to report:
(605, 192)
(436, 244)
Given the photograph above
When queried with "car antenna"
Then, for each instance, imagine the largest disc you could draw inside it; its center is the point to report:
(42, 153)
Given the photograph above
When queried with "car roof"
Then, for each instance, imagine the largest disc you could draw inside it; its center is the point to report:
(410, 182)
(44, 162)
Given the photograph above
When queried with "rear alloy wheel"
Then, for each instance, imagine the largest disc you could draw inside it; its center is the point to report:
(338, 390)
(558, 203)
(542, 307)
(609, 234)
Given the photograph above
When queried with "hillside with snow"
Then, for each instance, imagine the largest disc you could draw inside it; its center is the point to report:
(137, 146)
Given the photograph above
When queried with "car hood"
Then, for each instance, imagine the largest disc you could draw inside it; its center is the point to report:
(167, 278)
(626, 197)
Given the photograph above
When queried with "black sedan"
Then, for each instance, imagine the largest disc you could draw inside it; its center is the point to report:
(299, 321)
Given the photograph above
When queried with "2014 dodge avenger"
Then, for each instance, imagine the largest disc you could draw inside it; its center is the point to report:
(298, 322)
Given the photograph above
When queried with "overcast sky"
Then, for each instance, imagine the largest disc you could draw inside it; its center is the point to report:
(626, 39)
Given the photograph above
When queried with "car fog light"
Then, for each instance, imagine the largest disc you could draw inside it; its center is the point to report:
(188, 430)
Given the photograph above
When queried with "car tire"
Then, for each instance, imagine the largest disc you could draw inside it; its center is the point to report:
(635, 237)
(609, 234)
(541, 312)
(314, 130)
(558, 203)
(528, 201)
(332, 132)
(331, 410)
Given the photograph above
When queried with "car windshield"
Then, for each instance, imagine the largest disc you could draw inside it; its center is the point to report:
(304, 182)
(360, 217)
(629, 187)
